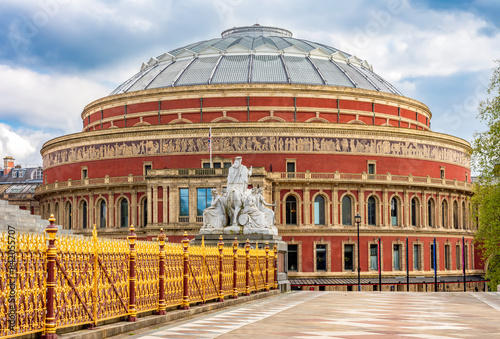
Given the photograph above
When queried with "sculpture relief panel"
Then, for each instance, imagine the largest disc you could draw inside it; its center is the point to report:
(329, 145)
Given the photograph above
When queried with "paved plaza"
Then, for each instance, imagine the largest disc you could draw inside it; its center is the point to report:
(346, 315)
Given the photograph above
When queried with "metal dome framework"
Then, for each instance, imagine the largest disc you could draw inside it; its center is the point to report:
(256, 54)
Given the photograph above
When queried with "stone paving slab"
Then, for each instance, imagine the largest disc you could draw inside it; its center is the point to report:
(316, 315)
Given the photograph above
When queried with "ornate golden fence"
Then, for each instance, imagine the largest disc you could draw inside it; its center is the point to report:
(49, 282)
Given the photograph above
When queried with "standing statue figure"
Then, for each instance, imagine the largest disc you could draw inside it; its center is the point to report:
(214, 216)
(237, 184)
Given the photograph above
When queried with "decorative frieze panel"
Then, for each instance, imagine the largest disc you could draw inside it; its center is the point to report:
(249, 144)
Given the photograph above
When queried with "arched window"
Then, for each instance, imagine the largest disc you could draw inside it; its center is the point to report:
(102, 214)
(372, 211)
(430, 212)
(394, 212)
(414, 211)
(346, 210)
(69, 215)
(291, 210)
(319, 210)
(123, 213)
(144, 212)
(444, 214)
(84, 214)
(455, 214)
(464, 216)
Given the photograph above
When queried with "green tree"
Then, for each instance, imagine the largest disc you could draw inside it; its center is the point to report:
(486, 163)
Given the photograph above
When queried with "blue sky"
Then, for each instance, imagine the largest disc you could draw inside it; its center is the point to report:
(56, 56)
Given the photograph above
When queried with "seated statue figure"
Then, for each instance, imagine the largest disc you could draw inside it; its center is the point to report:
(214, 216)
(261, 205)
(255, 217)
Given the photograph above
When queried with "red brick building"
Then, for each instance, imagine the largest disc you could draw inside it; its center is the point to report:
(328, 138)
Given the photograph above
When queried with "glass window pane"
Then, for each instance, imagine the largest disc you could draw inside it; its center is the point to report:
(291, 210)
(145, 212)
(416, 257)
(432, 256)
(319, 210)
(292, 258)
(124, 213)
(371, 211)
(394, 212)
(373, 257)
(184, 201)
(397, 259)
(84, 214)
(346, 211)
(321, 257)
(348, 257)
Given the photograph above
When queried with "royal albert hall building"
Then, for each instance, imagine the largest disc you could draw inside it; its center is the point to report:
(326, 136)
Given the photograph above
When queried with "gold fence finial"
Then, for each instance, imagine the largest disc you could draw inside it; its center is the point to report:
(51, 218)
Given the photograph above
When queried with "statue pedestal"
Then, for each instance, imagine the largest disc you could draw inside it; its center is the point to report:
(254, 239)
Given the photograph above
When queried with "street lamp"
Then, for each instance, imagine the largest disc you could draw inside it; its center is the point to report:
(357, 218)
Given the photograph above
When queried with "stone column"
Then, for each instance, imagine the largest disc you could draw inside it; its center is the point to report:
(439, 211)
(91, 210)
(307, 206)
(173, 193)
(155, 204)
(361, 206)
(385, 207)
(165, 204)
(111, 209)
(133, 208)
(406, 206)
(192, 203)
(335, 206)
(425, 220)
(150, 205)
(74, 212)
(278, 207)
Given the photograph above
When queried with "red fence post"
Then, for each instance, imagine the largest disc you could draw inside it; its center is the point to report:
(161, 289)
(132, 312)
(221, 269)
(50, 319)
(185, 297)
(267, 266)
(275, 249)
(235, 268)
(247, 258)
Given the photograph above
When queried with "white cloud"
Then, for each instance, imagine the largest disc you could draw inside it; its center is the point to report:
(423, 42)
(46, 100)
(24, 145)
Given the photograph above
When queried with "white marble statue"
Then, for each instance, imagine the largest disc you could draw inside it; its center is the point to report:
(261, 205)
(237, 184)
(251, 216)
(214, 216)
(238, 210)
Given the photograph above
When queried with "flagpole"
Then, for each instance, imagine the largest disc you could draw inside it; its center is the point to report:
(210, 146)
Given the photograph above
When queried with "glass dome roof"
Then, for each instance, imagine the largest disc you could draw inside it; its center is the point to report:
(256, 54)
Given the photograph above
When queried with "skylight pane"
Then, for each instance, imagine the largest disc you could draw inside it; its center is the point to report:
(232, 69)
(301, 71)
(165, 78)
(198, 72)
(268, 68)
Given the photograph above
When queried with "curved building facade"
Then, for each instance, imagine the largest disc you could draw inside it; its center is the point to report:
(327, 137)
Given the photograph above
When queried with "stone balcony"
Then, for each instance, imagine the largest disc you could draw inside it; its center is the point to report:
(278, 177)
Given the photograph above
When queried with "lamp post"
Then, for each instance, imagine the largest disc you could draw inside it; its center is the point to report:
(357, 218)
